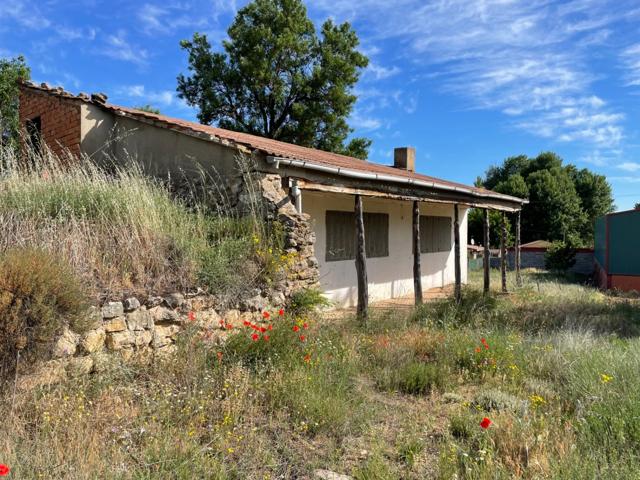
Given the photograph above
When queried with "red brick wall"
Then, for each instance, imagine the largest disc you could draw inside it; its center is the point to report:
(60, 119)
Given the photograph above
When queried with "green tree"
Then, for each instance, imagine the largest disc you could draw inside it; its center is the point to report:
(277, 78)
(11, 72)
(563, 200)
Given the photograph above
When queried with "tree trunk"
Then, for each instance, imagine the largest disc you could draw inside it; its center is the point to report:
(503, 252)
(417, 275)
(456, 255)
(361, 262)
(486, 261)
(517, 251)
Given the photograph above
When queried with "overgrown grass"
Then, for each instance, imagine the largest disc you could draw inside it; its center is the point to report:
(401, 397)
(123, 232)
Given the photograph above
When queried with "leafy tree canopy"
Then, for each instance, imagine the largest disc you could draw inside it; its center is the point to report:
(11, 72)
(277, 78)
(563, 200)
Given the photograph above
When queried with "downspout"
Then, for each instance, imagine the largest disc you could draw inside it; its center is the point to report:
(296, 193)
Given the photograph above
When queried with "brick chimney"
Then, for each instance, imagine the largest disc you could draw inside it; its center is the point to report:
(405, 158)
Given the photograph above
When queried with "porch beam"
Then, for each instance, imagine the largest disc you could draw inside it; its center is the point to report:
(417, 275)
(503, 252)
(361, 262)
(517, 251)
(456, 255)
(486, 261)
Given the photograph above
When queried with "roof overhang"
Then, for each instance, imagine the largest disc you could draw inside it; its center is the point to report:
(402, 187)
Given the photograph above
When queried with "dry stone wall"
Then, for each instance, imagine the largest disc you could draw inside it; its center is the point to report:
(134, 330)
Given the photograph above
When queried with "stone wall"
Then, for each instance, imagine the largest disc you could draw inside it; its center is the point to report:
(129, 330)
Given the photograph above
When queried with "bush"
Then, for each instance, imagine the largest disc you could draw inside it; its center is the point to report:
(417, 378)
(305, 301)
(39, 294)
(560, 256)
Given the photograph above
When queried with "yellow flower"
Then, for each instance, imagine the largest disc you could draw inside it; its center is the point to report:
(230, 450)
(605, 378)
(537, 400)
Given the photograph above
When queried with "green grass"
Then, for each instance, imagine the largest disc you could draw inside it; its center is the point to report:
(399, 397)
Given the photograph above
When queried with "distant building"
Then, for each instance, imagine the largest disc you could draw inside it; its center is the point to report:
(617, 238)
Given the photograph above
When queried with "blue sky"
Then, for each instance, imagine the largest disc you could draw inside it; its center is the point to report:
(466, 82)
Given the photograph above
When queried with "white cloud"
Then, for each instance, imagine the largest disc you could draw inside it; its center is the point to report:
(630, 58)
(380, 72)
(629, 166)
(163, 98)
(24, 13)
(118, 47)
(528, 60)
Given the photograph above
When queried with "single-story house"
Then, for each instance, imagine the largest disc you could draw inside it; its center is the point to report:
(616, 251)
(533, 255)
(362, 230)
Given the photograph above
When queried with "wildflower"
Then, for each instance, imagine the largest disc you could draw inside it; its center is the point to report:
(296, 328)
(4, 470)
(246, 323)
(266, 338)
(605, 378)
(305, 325)
(255, 337)
(302, 338)
(281, 312)
(229, 326)
(266, 315)
(230, 450)
(478, 350)
(307, 358)
(485, 423)
(270, 327)
(263, 329)
(219, 354)
(536, 400)
(192, 316)
(484, 342)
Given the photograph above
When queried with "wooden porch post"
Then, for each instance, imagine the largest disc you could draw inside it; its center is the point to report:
(517, 251)
(486, 263)
(417, 275)
(456, 256)
(361, 262)
(503, 252)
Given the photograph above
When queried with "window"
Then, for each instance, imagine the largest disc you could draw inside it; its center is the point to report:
(435, 234)
(34, 131)
(341, 235)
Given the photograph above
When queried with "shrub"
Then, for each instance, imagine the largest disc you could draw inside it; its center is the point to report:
(305, 301)
(39, 294)
(560, 256)
(416, 378)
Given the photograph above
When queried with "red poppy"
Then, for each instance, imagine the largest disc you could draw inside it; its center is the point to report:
(192, 316)
(302, 338)
(229, 326)
(485, 423)
(255, 327)
(484, 342)
(266, 314)
(305, 325)
(270, 327)
(281, 312)
(263, 329)
(307, 358)
(266, 338)
(255, 337)
(4, 470)
(296, 328)
(246, 323)
(478, 350)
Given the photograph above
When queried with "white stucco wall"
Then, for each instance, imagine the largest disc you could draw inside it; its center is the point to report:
(392, 276)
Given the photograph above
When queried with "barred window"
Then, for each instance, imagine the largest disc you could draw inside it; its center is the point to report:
(341, 235)
(435, 234)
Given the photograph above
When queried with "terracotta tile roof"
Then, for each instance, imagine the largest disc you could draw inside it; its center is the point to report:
(274, 147)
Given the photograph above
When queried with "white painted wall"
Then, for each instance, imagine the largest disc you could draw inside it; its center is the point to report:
(392, 276)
